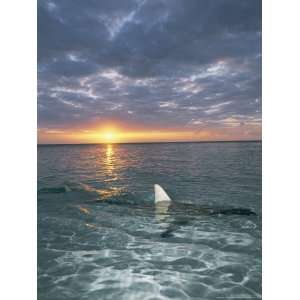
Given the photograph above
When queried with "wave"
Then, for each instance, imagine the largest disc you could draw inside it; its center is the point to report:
(54, 190)
(98, 194)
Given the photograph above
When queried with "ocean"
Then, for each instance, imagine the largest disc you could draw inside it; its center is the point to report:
(100, 235)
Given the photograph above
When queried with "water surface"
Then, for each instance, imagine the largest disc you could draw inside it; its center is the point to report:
(100, 236)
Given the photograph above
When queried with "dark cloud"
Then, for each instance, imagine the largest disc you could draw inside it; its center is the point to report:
(171, 63)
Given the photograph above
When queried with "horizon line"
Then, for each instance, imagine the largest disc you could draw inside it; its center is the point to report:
(158, 142)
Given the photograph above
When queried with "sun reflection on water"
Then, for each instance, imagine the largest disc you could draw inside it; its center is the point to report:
(111, 163)
(109, 154)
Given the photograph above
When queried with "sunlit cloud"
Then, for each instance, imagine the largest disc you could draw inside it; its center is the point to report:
(149, 66)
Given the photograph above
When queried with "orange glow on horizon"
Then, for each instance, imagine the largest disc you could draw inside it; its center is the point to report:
(111, 134)
(115, 136)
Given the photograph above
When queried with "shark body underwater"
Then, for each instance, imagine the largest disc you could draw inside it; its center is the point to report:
(170, 214)
(164, 206)
(163, 203)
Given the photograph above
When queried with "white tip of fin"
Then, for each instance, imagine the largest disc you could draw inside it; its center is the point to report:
(160, 194)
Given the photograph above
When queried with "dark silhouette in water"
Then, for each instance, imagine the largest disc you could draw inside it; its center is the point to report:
(164, 207)
(171, 214)
(181, 213)
(177, 216)
(234, 211)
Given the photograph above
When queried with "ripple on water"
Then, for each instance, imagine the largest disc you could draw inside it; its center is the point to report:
(102, 240)
(136, 265)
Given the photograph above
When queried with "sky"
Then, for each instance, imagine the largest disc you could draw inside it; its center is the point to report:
(144, 71)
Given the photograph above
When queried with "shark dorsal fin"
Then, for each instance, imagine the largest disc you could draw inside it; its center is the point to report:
(160, 194)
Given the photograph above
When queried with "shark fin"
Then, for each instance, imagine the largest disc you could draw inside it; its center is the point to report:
(160, 194)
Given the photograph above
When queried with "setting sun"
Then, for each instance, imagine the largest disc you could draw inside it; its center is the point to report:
(109, 136)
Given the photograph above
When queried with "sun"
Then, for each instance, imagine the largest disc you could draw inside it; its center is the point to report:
(109, 136)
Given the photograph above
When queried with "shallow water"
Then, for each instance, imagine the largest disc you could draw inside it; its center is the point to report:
(101, 237)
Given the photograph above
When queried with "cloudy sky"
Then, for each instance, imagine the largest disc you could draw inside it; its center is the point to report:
(149, 70)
